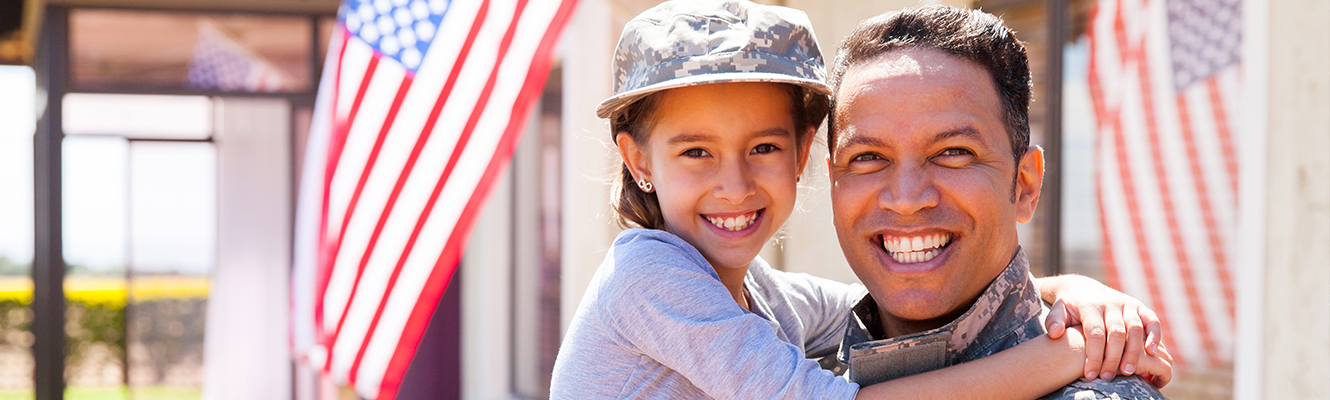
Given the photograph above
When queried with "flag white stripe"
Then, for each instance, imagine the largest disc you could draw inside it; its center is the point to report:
(1172, 302)
(355, 61)
(534, 22)
(358, 57)
(420, 185)
(419, 102)
(355, 156)
(400, 140)
(306, 235)
(1227, 204)
(1190, 225)
(1120, 234)
(1176, 173)
(1208, 284)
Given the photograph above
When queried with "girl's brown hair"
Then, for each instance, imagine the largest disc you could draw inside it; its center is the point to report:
(636, 208)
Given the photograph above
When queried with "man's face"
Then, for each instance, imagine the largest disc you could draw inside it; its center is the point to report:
(922, 184)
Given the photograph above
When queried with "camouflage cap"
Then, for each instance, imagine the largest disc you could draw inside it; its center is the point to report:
(683, 43)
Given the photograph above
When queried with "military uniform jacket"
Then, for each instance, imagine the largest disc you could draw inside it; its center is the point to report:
(1007, 313)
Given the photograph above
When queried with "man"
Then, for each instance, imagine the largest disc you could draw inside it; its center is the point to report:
(931, 169)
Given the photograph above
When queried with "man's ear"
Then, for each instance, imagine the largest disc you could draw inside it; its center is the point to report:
(633, 156)
(1029, 181)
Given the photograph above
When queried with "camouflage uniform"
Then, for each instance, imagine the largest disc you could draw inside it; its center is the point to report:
(1007, 313)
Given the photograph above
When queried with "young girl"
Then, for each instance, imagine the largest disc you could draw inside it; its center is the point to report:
(716, 106)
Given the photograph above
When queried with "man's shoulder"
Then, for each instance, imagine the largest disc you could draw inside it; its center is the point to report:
(1120, 388)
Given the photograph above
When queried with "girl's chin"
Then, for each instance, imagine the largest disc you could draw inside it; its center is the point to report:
(731, 258)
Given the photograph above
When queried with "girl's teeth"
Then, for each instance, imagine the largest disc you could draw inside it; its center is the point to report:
(736, 223)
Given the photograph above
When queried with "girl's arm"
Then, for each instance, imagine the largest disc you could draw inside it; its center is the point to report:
(1029, 370)
(1116, 326)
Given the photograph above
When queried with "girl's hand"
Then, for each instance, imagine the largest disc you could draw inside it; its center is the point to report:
(1157, 369)
(1117, 327)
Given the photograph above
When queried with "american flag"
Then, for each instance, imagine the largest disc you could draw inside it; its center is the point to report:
(221, 63)
(420, 107)
(1165, 81)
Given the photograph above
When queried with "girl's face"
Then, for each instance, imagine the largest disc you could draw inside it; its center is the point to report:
(724, 163)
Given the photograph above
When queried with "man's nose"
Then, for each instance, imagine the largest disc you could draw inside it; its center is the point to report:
(734, 182)
(907, 191)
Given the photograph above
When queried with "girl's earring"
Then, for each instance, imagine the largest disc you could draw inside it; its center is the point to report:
(644, 185)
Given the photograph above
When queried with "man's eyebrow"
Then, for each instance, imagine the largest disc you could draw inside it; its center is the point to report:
(965, 131)
(862, 140)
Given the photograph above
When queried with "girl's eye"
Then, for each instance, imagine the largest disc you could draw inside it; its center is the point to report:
(695, 153)
(765, 148)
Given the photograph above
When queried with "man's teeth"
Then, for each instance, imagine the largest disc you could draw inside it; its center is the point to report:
(915, 249)
(736, 223)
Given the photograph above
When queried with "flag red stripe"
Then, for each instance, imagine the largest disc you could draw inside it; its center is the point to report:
(1097, 98)
(336, 42)
(425, 133)
(323, 271)
(438, 279)
(339, 138)
(1225, 136)
(1120, 33)
(1129, 191)
(355, 199)
(1231, 162)
(1207, 208)
(1169, 204)
(481, 103)
(1133, 208)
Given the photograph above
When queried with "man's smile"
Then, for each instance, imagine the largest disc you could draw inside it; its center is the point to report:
(915, 249)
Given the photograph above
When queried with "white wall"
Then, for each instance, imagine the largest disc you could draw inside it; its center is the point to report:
(589, 159)
(247, 348)
(1283, 323)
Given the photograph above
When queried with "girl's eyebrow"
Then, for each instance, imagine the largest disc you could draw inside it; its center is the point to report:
(690, 138)
(772, 132)
(701, 137)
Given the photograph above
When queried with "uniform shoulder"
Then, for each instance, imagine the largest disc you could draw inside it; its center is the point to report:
(1120, 388)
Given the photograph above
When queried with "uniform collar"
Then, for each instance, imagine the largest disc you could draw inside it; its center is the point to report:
(1004, 309)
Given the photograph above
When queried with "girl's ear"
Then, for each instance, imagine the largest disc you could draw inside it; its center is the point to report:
(633, 156)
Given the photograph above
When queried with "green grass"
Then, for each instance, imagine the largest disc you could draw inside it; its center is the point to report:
(114, 393)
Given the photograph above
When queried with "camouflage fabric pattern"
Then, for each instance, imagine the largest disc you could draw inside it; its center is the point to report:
(1007, 313)
(681, 43)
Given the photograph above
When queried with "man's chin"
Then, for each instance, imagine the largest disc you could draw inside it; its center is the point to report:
(920, 308)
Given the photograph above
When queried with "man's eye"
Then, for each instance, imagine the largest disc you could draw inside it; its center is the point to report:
(954, 157)
(765, 148)
(866, 157)
(695, 153)
(956, 151)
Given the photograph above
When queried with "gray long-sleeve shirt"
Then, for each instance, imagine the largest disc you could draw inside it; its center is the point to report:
(656, 322)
